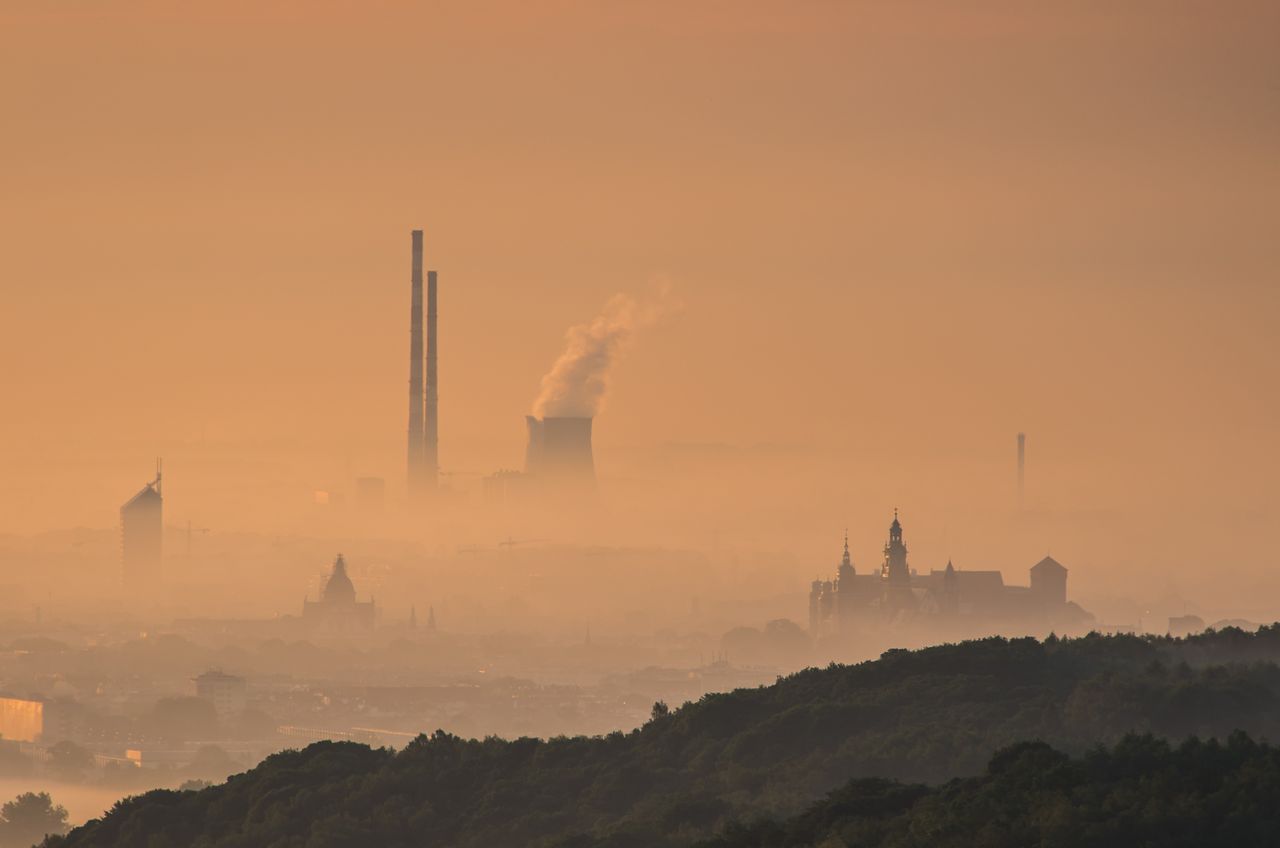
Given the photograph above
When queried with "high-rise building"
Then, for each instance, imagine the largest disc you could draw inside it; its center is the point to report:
(226, 692)
(142, 537)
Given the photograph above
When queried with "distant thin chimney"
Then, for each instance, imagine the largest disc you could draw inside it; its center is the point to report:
(431, 461)
(416, 469)
(1022, 469)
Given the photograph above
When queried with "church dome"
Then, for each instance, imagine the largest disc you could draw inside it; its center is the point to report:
(339, 589)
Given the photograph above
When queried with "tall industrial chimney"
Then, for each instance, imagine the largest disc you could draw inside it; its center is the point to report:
(432, 459)
(1022, 468)
(416, 452)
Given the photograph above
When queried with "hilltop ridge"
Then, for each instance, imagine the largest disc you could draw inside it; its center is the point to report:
(921, 716)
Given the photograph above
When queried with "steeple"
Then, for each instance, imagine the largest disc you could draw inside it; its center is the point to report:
(894, 569)
(845, 572)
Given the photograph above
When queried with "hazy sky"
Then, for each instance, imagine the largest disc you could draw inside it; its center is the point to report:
(901, 233)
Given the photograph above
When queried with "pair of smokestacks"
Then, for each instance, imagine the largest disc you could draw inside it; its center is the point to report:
(424, 437)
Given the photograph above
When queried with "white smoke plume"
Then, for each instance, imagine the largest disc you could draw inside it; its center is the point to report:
(576, 384)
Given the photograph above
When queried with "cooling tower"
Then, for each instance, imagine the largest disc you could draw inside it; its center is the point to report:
(559, 450)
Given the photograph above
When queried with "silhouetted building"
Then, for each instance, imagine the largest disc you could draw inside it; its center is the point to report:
(35, 720)
(226, 692)
(142, 537)
(338, 607)
(1049, 583)
(895, 575)
(899, 594)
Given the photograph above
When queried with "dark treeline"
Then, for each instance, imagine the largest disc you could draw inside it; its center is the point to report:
(915, 716)
(1141, 792)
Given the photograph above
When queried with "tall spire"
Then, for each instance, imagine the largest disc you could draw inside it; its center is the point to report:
(844, 560)
(895, 568)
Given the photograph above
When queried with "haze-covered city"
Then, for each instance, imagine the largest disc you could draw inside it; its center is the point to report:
(377, 372)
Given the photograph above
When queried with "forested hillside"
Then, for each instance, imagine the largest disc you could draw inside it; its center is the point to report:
(921, 716)
(1142, 792)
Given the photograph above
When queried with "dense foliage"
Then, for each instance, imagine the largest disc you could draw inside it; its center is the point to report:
(1142, 792)
(925, 715)
(30, 817)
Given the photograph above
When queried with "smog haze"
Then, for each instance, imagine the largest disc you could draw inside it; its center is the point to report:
(752, 278)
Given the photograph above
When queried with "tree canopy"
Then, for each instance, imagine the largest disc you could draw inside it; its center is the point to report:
(29, 818)
(912, 716)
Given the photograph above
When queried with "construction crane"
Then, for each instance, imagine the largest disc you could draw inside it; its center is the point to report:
(511, 543)
(190, 530)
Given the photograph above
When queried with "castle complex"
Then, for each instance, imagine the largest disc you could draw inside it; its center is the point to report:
(897, 593)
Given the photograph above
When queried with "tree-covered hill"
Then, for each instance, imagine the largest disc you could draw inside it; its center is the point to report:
(1141, 792)
(927, 715)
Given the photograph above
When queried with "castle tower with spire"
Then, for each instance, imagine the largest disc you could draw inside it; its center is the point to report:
(846, 588)
(895, 574)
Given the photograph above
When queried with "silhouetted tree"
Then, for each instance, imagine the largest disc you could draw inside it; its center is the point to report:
(29, 818)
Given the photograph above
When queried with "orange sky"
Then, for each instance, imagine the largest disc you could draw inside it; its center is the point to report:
(901, 232)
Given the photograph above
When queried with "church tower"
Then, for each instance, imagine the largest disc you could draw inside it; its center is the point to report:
(846, 592)
(895, 575)
(845, 572)
(895, 570)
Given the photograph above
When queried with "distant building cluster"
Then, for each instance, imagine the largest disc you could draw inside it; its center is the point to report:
(227, 692)
(896, 592)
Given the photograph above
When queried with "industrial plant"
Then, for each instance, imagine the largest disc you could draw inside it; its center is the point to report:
(558, 455)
